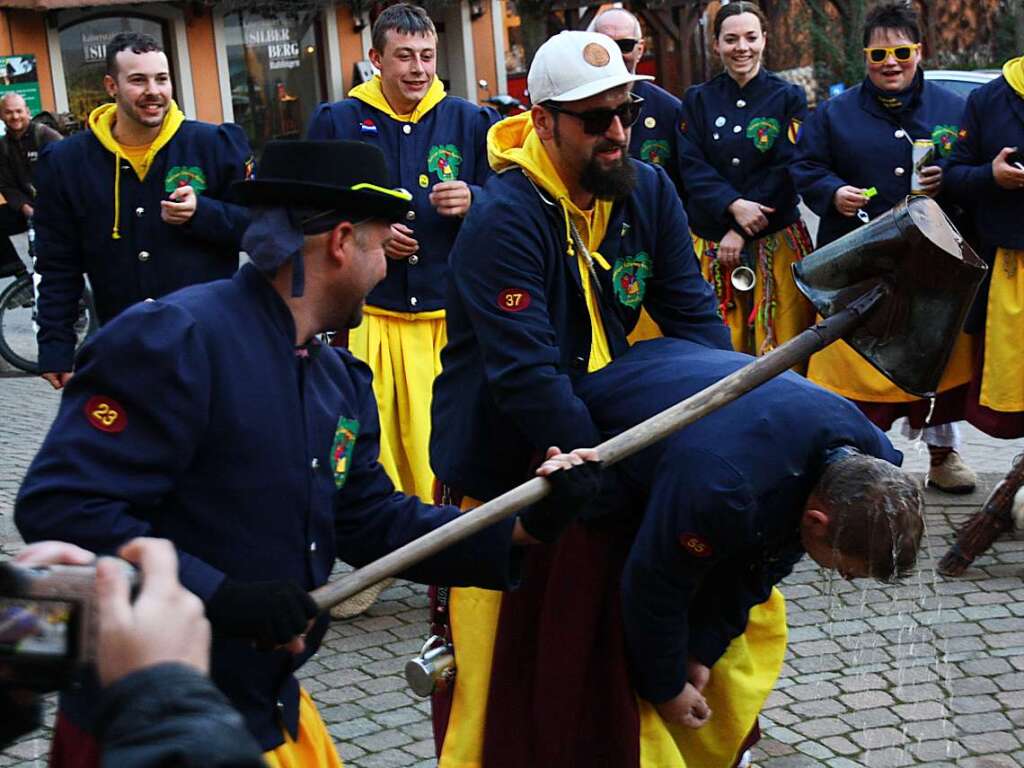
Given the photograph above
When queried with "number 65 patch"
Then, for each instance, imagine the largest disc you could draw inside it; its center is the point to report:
(513, 300)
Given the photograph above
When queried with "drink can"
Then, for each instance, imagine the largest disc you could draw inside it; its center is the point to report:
(924, 151)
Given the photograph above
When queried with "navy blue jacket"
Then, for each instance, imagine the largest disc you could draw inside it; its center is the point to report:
(653, 138)
(193, 419)
(519, 332)
(852, 139)
(738, 143)
(721, 525)
(994, 118)
(417, 284)
(74, 219)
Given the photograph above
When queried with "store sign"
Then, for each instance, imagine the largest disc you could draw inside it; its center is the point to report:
(18, 74)
(282, 51)
(94, 46)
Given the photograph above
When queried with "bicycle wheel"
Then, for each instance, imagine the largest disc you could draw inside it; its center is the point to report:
(17, 325)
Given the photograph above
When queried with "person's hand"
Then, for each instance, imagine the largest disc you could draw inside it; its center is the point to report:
(180, 207)
(273, 614)
(402, 245)
(930, 180)
(848, 200)
(698, 674)
(53, 553)
(57, 380)
(751, 216)
(1005, 174)
(730, 248)
(451, 198)
(27, 210)
(688, 708)
(164, 624)
(575, 482)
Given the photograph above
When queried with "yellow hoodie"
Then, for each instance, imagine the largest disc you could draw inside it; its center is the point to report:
(101, 123)
(373, 94)
(513, 143)
(1013, 71)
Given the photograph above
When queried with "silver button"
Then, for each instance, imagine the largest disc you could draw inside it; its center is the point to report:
(280, 707)
(139, 211)
(899, 133)
(898, 171)
(312, 546)
(150, 299)
(411, 216)
(741, 103)
(414, 259)
(735, 161)
(315, 463)
(719, 121)
(413, 300)
(143, 255)
(406, 129)
(736, 129)
(715, 136)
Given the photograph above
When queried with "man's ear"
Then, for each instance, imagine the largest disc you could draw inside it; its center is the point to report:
(543, 122)
(815, 520)
(375, 57)
(337, 243)
(110, 85)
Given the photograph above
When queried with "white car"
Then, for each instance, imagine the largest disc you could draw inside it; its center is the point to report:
(961, 81)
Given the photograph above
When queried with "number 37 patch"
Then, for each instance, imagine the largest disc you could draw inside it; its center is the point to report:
(513, 300)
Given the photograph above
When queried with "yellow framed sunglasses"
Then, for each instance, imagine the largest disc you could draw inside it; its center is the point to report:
(902, 53)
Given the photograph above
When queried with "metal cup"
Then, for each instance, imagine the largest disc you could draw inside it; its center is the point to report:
(743, 278)
(434, 669)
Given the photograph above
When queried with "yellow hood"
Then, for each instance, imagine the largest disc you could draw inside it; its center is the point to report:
(373, 94)
(1013, 71)
(101, 123)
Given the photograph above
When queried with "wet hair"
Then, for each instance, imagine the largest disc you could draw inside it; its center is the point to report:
(403, 18)
(735, 9)
(136, 42)
(875, 512)
(898, 15)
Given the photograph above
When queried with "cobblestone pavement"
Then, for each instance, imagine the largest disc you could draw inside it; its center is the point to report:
(930, 673)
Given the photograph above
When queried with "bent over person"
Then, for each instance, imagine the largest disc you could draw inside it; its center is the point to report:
(139, 202)
(257, 460)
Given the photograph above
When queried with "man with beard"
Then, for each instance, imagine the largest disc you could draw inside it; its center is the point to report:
(259, 460)
(138, 203)
(550, 272)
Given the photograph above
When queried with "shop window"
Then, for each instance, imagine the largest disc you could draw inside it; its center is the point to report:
(83, 48)
(276, 73)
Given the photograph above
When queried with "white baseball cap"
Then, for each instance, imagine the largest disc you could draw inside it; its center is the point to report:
(577, 65)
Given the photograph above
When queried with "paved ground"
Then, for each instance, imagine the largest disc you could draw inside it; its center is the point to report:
(930, 673)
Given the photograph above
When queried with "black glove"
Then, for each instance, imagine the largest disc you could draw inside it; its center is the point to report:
(269, 612)
(571, 491)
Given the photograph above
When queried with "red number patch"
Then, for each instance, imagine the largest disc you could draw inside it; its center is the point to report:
(106, 414)
(695, 545)
(513, 300)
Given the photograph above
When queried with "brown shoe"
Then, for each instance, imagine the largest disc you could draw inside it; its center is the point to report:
(952, 475)
(360, 602)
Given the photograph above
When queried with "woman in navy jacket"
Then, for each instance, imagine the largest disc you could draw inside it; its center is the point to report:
(737, 137)
(855, 163)
(986, 172)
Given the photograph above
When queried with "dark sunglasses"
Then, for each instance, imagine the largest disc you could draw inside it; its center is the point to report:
(596, 122)
(902, 53)
(626, 45)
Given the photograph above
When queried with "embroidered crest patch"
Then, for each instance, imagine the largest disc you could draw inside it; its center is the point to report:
(185, 176)
(341, 452)
(629, 278)
(513, 300)
(763, 131)
(444, 160)
(655, 151)
(106, 414)
(794, 130)
(695, 545)
(944, 138)
(368, 127)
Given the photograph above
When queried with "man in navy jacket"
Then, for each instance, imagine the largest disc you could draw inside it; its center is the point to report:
(139, 203)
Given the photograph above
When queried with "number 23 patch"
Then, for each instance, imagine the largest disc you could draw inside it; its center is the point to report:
(106, 414)
(513, 300)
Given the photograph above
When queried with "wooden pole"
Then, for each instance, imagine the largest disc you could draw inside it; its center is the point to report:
(659, 426)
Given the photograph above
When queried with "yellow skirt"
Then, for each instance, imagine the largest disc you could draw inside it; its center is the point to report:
(740, 684)
(404, 352)
(774, 311)
(313, 749)
(1002, 373)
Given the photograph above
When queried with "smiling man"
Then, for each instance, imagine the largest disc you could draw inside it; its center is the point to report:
(138, 203)
(435, 145)
(572, 239)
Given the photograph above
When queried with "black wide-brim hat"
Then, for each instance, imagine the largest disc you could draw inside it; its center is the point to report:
(347, 176)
